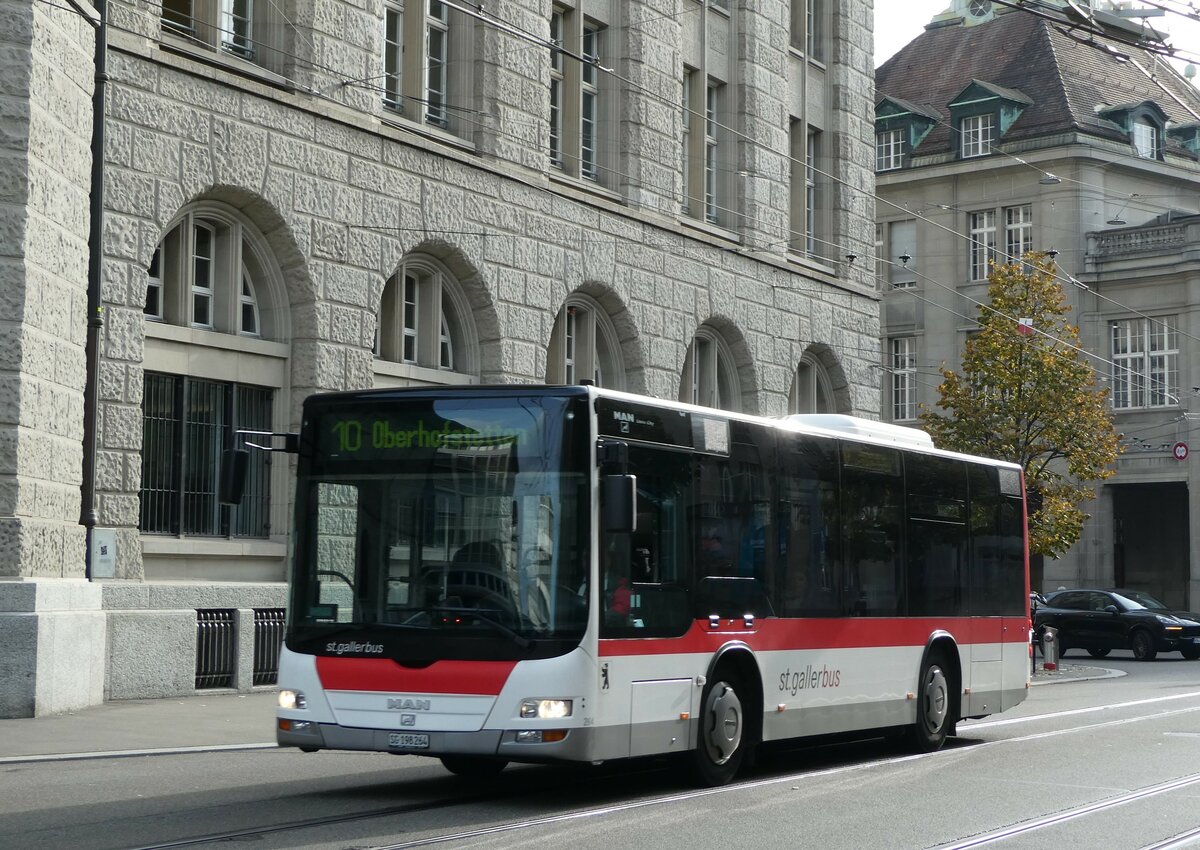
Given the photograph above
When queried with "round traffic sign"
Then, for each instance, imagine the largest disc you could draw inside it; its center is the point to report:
(1180, 450)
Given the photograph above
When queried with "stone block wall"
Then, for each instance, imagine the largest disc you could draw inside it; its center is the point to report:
(45, 111)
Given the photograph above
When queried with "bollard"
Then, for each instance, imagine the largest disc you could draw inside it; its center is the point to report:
(1049, 648)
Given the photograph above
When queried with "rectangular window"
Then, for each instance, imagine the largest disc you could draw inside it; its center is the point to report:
(186, 424)
(243, 29)
(248, 304)
(711, 205)
(177, 16)
(889, 150)
(904, 372)
(437, 58)
(154, 288)
(977, 134)
(806, 32)
(1145, 370)
(983, 243)
(556, 89)
(409, 319)
(393, 56)
(1145, 140)
(810, 193)
(237, 27)
(813, 41)
(589, 103)
(686, 141)
(569, 339)
(881, 267)
(203, 242)
(902, 243)
(1018, 232)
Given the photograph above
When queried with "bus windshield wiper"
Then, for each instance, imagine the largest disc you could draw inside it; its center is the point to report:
(517, 638)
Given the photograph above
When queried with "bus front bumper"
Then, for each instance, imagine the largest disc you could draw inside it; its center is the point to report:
(577, 744)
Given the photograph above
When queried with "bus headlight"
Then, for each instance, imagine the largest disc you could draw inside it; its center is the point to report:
(292, 700)
(545, 708)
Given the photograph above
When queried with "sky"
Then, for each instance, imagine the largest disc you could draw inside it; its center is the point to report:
(897, 22)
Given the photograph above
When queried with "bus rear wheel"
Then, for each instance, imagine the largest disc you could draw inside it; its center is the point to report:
(721, 742)
(934, 701)
(473, 767)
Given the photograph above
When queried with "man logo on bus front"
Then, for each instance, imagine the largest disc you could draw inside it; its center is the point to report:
(604, 677)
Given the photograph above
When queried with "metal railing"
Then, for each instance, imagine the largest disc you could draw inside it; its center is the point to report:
(268, 640)
(216, 648)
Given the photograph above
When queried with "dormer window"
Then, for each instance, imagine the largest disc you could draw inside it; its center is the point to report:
(977, 133)
(1144, 123)
(982, 113)
(900, 126)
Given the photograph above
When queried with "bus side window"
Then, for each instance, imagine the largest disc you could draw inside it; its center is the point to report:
(872, 530)
(807, 574)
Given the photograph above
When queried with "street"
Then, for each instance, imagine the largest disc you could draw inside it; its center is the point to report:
(1111, 762)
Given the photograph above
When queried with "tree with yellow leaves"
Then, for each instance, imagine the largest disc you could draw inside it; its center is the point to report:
(1026, 393)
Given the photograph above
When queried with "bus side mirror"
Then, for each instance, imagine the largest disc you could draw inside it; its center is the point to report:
(234, 464)
(619, 506)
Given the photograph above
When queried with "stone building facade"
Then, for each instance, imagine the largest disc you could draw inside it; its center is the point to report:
(665, 196)
(1025, 138)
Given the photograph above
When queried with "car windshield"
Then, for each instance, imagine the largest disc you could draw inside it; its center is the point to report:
(1136, 599)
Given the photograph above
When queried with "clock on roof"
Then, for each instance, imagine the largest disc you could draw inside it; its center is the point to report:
(980, 8)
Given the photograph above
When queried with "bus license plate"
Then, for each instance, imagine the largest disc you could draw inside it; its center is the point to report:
(408, 741)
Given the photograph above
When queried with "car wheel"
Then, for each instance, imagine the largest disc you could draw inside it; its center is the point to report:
(473, 767)
(1142, 644)
(1191, 653)
(721, 741)
(933, 705)
(1098, 653)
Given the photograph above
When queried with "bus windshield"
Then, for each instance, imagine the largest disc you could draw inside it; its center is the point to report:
(442, 524)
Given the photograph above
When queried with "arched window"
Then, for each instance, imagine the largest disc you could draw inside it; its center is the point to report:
(811, 390)
(424, 320)
(203, 275)
(215, 363)
(709, 372)
(584, 346)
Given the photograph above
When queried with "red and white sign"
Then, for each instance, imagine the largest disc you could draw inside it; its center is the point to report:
(1180, 450)
(1025, 326)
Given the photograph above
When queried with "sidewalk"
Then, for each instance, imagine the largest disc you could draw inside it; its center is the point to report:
(128, 726)
(224, 720)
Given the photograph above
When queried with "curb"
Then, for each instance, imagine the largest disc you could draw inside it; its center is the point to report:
(1072, 673)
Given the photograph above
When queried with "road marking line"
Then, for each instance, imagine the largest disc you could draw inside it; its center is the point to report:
(1071, 814)
(1008, 721)
(117, 754)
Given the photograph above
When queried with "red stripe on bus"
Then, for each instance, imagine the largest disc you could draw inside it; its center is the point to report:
(482, 678)
(851, 633)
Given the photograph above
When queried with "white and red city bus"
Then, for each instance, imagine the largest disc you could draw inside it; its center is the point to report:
(506, 574)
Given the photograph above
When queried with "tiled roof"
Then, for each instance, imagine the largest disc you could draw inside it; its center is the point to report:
(1067, 81)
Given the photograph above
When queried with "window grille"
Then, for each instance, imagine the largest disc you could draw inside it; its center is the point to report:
(187, 423)
(268, 641)
(215, 648)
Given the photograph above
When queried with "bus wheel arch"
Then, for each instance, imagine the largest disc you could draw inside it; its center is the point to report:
(729, 722)
(938, 694)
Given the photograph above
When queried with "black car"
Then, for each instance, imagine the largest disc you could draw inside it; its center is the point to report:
(1103, 620)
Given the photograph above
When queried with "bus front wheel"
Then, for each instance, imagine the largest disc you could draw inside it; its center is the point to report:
(929, 731)
(721, 742)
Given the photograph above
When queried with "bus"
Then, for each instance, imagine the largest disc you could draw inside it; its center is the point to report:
(546, 574)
